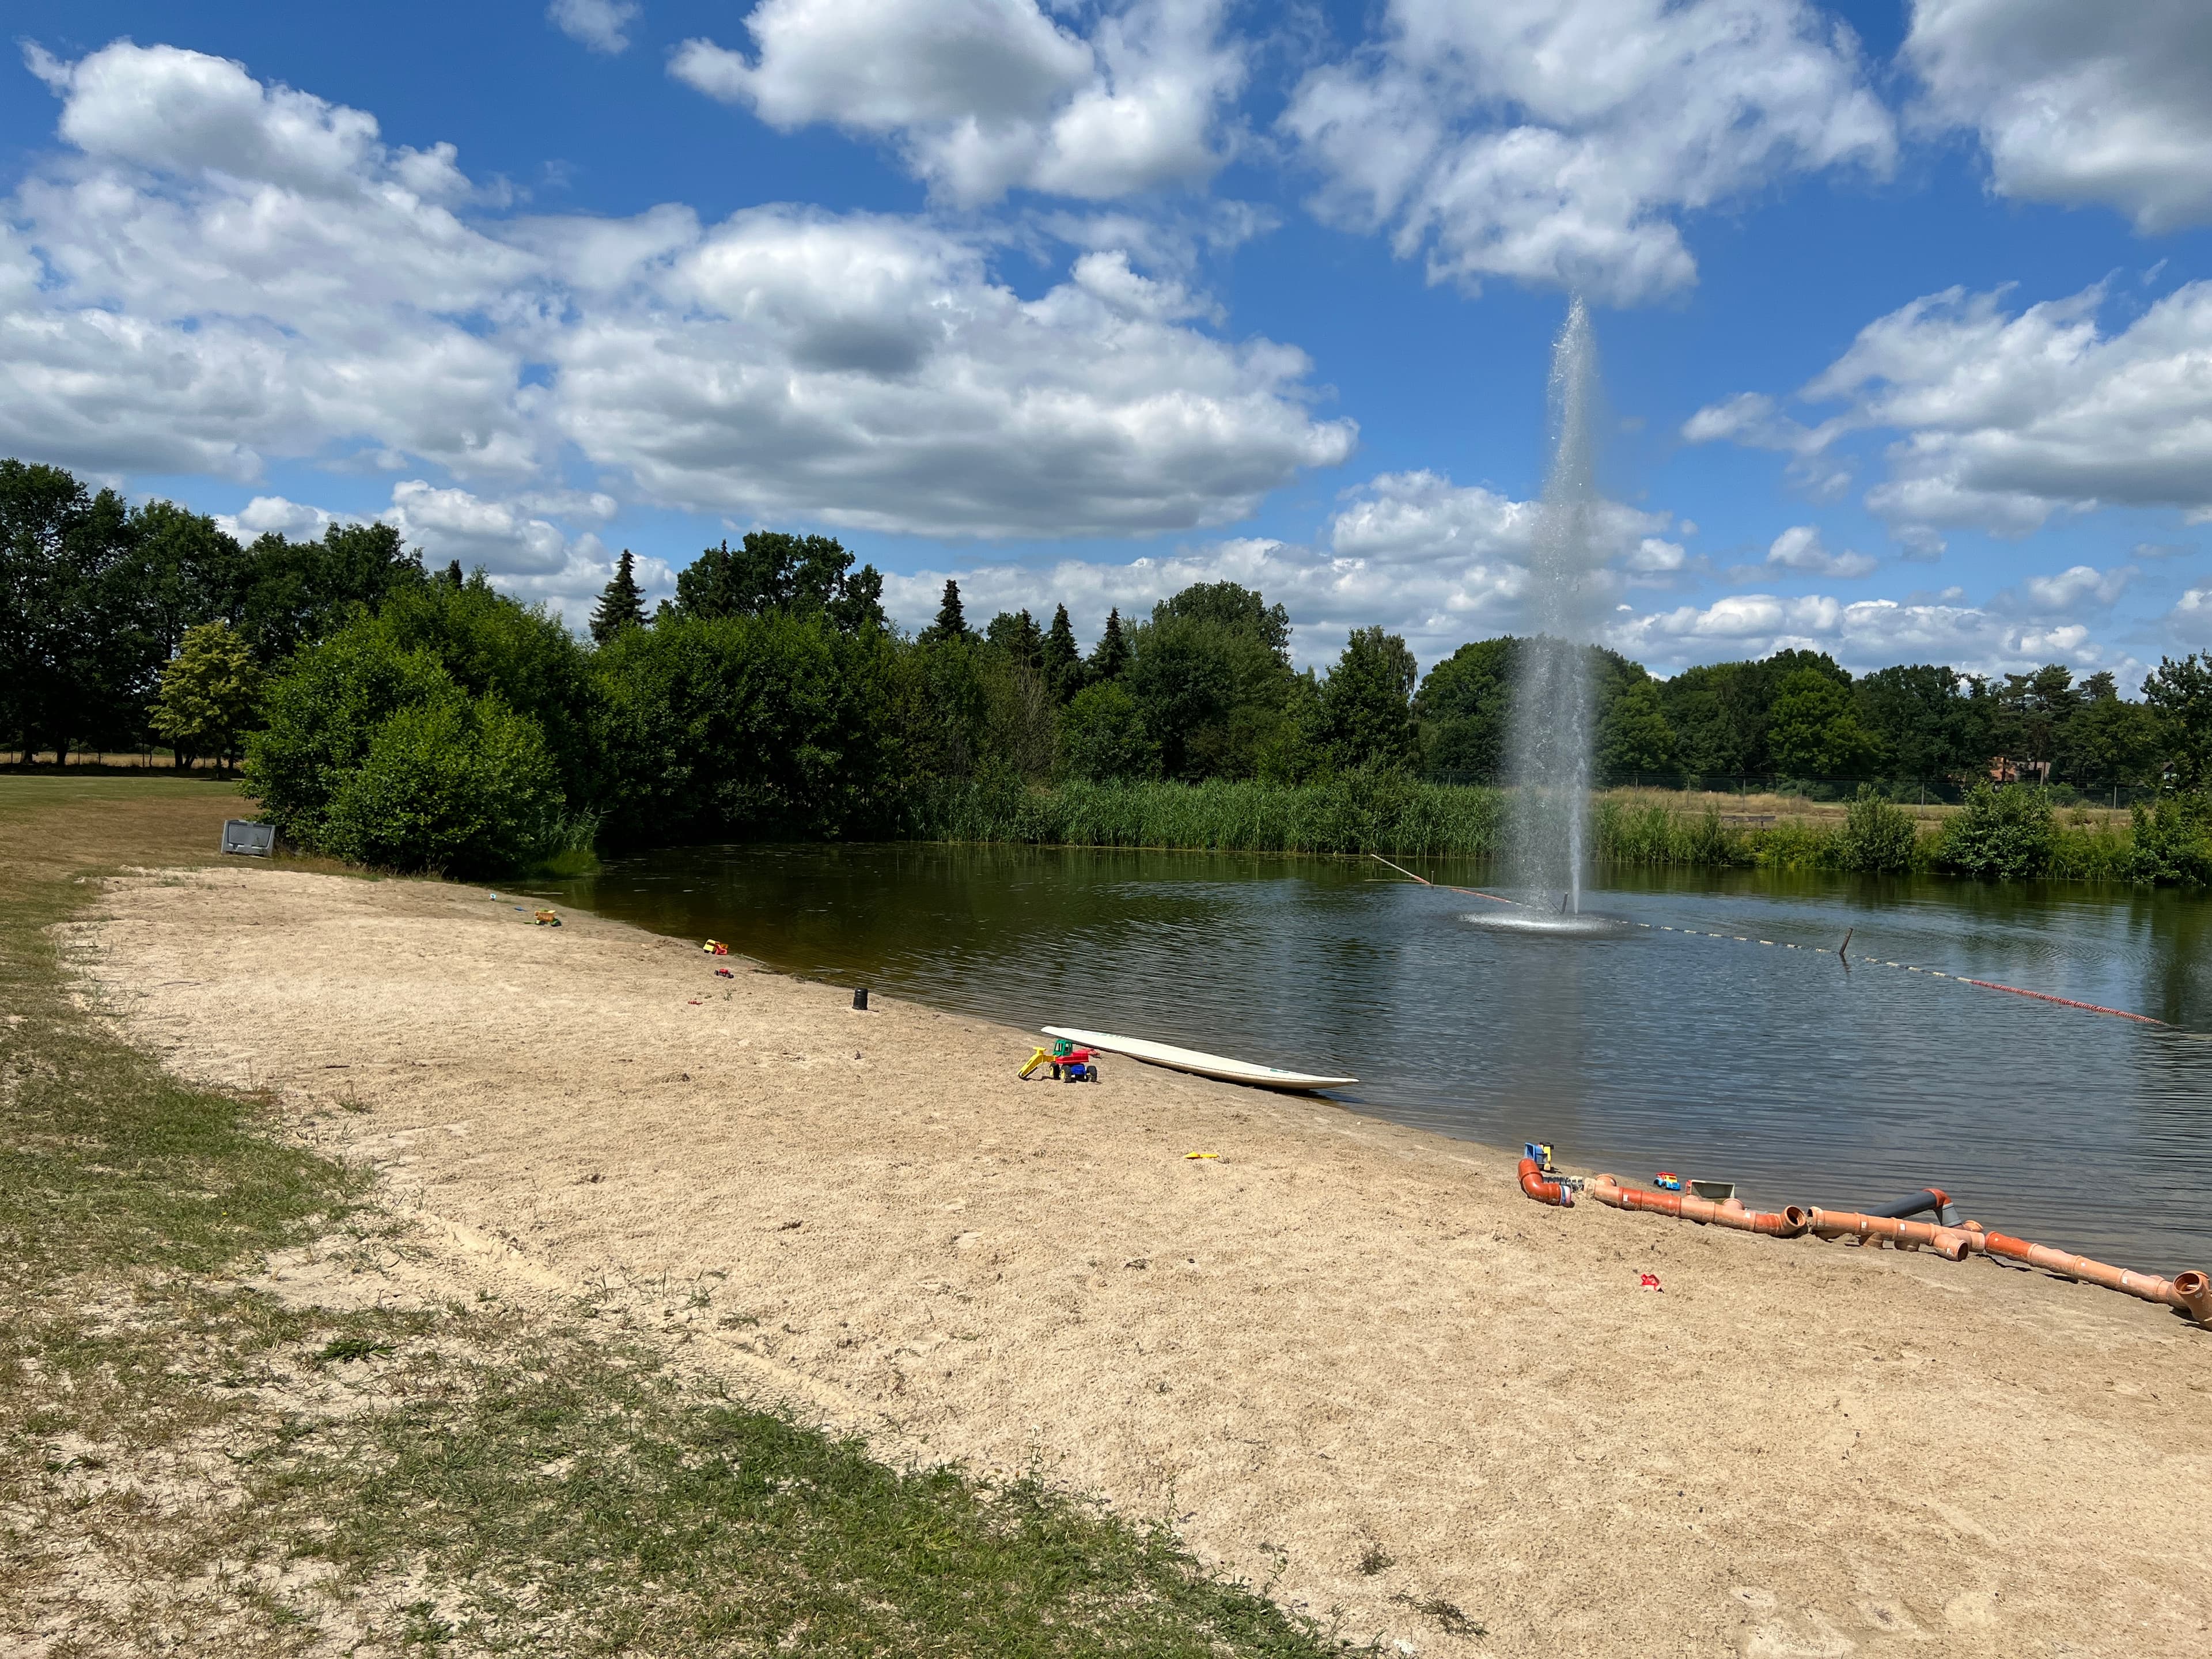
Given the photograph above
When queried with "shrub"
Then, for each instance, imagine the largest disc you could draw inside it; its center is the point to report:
(454, 785)
(1877, 835)
(1999, 835)
(322, 715)
(2173, 842)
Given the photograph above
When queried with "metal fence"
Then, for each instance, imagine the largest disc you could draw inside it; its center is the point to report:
(1924, 792)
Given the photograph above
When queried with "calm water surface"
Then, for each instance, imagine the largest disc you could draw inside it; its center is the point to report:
(1802, 1079)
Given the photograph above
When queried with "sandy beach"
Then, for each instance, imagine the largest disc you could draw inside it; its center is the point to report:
(1349, 1360)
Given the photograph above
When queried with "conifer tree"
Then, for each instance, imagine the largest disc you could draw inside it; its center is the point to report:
(454, 573)
(1061, 658)
(951, 622)
(1111, 654)
(622, 604)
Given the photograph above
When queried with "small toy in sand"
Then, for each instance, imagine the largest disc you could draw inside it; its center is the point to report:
(723, 973)
(1650, 1282)
(1190, 1155)
(1069, 1063)
(714, 947)
(547, 918)
(1667, 1182)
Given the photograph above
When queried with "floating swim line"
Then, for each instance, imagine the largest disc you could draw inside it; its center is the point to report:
(1784, 945)
(2045, 996)
(1932, 972)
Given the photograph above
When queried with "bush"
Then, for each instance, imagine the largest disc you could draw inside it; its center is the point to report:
(455, 785)
(1877, 835)
(2173, 842)
(1999, 835)
(322, 715)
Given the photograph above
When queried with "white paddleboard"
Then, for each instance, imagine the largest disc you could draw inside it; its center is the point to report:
(1189, 1059)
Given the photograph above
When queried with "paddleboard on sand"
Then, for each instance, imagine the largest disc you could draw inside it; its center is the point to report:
(1189, 1059)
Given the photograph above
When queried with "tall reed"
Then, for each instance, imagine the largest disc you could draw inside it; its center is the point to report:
(1362, 812)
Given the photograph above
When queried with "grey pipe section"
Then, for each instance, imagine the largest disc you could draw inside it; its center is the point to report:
(1929, 1201)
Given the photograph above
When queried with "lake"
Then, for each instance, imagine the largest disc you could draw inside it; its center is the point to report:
(1801, 1077)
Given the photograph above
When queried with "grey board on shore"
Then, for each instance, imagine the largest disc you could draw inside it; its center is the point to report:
(253, 840)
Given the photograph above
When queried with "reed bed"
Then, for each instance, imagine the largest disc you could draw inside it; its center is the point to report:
(1359, 813)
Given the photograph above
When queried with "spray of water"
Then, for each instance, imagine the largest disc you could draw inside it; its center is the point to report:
(1549, 754)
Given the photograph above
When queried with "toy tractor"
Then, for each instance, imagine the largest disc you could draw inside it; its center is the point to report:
(1069, 1063)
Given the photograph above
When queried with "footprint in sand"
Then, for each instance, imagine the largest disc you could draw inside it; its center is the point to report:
(1808, 1635)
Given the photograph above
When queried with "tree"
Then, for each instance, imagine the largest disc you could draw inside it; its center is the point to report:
(1813, 731)
(1063, 661)
(526, 655)
(1109, 658)
(622, 604)
(2180, 692)
(211, 692)
(767, 723)
(2110, 740)
(1103, 735)
(2033, 711)
(951, 622)
(78, 650)
(187, 571)
(1016, 634)
(1464, 705)
(1632, 737)
(293, 594)
(771, 570)
(1927, 724)
(1239, 610)
(1368, 700)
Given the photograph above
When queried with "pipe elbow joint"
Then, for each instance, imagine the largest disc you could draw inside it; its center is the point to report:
(2192, 1294)
(1553, 1193)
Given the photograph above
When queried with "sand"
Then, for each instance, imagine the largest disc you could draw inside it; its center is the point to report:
(1345, 1359)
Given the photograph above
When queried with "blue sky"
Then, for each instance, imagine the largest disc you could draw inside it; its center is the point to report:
(1905, 309)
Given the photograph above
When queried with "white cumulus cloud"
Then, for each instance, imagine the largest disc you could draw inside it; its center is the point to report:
(984, 96)
(218, 274)
(598, 24)
(2079, 103)
(1559, 141)
(2005, 418)
(1438, 562)
(1862, 635)
(1799, 548)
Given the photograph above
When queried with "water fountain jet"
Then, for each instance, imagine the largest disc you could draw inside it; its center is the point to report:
(1548, 754)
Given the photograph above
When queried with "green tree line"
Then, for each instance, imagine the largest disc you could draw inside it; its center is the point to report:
(97, 596)
(414, 720)
(1799, 714)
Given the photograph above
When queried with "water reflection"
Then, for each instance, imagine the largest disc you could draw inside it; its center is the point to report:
(1805, 1077)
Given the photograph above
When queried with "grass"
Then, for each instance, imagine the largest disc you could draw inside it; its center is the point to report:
(1399, 816)
(190, 1465)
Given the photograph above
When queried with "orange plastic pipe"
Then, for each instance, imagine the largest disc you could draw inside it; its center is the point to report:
(1952, 1242)
(1687, 1206)
(2190, 1291)
(1543, 1191)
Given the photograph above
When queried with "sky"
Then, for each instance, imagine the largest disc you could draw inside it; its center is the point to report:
(1904, 309)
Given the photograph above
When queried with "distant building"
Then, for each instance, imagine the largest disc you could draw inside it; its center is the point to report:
(2015, 771)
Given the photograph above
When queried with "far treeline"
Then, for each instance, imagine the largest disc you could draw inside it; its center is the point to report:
(414, 720)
